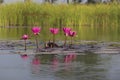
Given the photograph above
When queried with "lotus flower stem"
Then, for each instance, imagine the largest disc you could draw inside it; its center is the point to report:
(65, 41)
(37, 45)
(36, 30)
(66, 31)
(71, 41)
(72, 34)
(25, 37)
(25, 45)
(53, 39)
(54, 31)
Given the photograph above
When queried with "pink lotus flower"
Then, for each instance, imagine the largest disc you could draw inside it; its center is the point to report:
(36, 30)
(25, 37)
(66, 31)
(54, 30)
(72, 33)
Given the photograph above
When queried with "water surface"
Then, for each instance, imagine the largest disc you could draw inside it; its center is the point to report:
(60, 67)
(83, 33)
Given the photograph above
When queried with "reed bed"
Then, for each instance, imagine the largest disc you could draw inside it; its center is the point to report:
(52, 15)
(91, 21)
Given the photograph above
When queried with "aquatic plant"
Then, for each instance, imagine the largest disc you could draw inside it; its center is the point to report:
(54, 31)
(66, 31)
(25, 37)
(36, 30)
(72, 34)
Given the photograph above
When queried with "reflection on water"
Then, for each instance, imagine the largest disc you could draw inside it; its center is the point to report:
(60, 67)
(24, 56)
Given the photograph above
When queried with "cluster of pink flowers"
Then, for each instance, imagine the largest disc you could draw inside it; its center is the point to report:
(69, 32)
(36, 30)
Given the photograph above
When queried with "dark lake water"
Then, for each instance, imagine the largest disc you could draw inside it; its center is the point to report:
(60, 67)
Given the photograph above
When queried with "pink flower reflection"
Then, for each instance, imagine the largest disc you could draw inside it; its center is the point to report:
(67, 59)
(70, 57)
(24, 56)
(36, 66)
(55, 63)
(35, 61)
(74, 56)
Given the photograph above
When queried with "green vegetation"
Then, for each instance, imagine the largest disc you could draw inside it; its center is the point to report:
(31, 14)
(91, 21)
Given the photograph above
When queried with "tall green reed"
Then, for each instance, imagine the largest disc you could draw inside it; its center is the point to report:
(47, 15)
